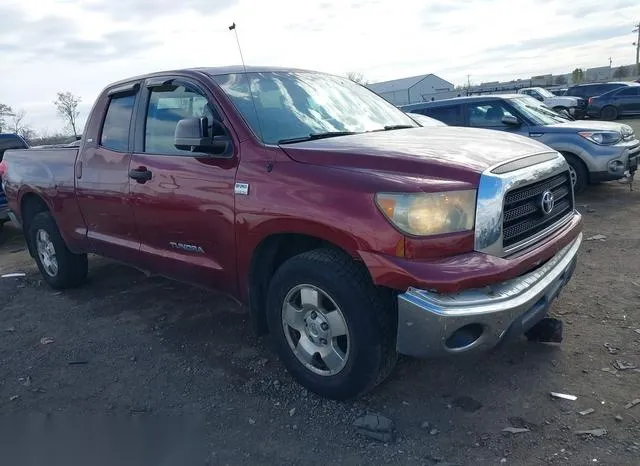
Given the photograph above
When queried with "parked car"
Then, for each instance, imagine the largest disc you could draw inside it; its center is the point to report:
(7, 141)
(595, 150)
(560, 92)
(623, 101)
(351, 233)
(572, 106)
(585, 91)
(424, 120)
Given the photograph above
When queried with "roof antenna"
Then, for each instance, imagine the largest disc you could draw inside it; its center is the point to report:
(244, 67)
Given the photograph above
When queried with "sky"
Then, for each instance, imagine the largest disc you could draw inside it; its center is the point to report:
(47, 46)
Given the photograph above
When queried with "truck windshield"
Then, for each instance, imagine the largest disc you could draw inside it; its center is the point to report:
(544, 93)
(538, 113)
(290, 106)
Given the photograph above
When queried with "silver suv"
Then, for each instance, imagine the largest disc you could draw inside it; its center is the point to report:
(595, 150)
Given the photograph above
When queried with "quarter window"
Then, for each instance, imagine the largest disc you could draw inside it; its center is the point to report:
(167, 106)
(115, 130)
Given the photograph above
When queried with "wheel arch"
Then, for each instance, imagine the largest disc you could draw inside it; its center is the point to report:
(31, 204)
(270, 253)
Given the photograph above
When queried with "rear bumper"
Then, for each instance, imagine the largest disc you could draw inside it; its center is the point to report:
(429, 323)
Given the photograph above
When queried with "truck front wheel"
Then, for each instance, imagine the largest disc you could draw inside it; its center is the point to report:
(335, 331)
(59, 267)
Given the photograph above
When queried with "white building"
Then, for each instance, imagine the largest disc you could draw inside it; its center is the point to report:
(414, 89)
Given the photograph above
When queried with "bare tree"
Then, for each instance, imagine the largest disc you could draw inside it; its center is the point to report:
(5, 111)
(67, 107)
(17, 120)
(357, 77)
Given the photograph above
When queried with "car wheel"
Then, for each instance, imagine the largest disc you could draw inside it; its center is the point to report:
(578, 172)
(609, 113)
(335, 331)
(59, 267)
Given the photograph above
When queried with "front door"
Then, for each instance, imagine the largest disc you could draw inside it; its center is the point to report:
(102, 182)
(490, 114)
(184, 205)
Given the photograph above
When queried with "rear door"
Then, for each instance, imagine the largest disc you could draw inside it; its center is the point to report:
(102, 182)
(627, 100)
(185, 210)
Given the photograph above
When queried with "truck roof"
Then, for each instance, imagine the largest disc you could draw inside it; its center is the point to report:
(212, 71)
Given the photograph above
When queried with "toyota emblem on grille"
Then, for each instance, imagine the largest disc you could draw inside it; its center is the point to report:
(547, 202)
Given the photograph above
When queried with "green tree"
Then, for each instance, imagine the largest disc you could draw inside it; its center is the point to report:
(577, 76)
(67, 107)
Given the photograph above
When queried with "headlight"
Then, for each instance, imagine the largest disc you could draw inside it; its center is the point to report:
(603, 138)
(425, 214)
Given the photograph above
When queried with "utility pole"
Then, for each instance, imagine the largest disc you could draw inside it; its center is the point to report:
(468, 84)
(637, 44)
(610, 69)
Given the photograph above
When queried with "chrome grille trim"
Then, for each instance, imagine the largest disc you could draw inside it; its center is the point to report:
(492, 190)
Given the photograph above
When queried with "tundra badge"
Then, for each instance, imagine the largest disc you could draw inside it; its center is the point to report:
(186, 247)
(241, 188)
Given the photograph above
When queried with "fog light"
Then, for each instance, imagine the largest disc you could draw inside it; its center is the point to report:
(616, 166)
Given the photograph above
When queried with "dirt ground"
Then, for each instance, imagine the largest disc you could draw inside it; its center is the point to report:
(144, 349)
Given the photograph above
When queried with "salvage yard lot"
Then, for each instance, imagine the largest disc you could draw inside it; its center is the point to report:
(145, 347)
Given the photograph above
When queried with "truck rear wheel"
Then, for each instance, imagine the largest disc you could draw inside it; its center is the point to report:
(335, 331)
(59, 267)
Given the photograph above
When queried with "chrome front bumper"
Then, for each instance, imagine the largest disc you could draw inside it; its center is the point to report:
(433, 324)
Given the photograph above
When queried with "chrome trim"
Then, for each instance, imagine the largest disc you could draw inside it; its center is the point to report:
(541, 234)
(427, 319)
(490, 205)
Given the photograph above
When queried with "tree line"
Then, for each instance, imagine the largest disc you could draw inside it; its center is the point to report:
(66, 104)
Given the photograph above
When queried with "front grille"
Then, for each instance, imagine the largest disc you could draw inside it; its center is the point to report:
(523, 213)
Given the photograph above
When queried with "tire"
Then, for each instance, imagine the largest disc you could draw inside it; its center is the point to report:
(609, 113)
(49, 248)
(579, 173)
(369, 323)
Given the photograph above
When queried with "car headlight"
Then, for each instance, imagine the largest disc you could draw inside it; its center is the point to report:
(426, 214)
(603, 138)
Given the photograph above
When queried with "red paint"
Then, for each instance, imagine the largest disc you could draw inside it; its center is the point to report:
(322, 188)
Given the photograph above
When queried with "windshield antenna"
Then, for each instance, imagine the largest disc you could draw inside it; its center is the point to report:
(244, 67)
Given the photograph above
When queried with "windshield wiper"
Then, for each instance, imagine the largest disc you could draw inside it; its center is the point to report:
(392, 127)
(312, 136)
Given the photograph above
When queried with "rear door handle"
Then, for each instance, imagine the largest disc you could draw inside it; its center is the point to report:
(140, 174)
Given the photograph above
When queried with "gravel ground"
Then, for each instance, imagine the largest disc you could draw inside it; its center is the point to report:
(146, 350)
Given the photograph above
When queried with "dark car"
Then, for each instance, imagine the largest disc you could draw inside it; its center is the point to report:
(624, 101)
(589, 90)
(8, 141)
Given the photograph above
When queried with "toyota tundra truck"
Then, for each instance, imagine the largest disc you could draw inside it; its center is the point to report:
(351, 233)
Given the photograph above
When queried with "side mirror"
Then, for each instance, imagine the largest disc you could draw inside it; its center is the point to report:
(510, 120)
(195, 135)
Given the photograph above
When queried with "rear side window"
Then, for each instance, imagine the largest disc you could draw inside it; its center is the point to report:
(628, 91)
(115, 130)
(451, 115)
(577, 91)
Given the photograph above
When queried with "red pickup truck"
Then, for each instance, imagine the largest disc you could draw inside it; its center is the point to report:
(352, 233)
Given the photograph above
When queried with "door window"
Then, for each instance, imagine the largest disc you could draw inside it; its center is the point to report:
(115, 129)
(451, 116)
(167, 106)
(488, 115)
(630, 91)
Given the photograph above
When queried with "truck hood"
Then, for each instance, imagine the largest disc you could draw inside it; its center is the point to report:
(444, 152)
(586, 125)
